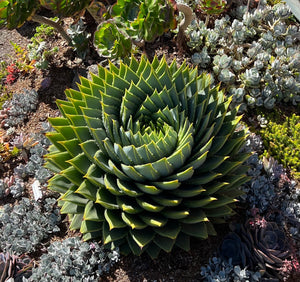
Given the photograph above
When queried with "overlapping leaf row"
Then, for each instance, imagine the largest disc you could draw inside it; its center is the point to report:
(146, 156)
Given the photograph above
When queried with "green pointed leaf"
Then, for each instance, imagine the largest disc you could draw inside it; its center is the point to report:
(112, 235)
(219, 212)
(90, 226)
(164, 243)
(198, 203)
(92, 235)
(142, 236)
(114, 219)
(76, 221)
(111, 185)
(59, 184)
(214, 187)
(72, 197)
(71, 208)
(133, 221)
(167, 201)
(198, 230)
(175, 213)
(183, 241)
(82, 165)
(148, 189)
(93, 212)
(195, 216)
(188, 191)
(208, 177)
(129, 188)
(154, 220)
(167, 185)
(134, 247)
(170, 230)
(88, 190)
(105, 199)
(128, 205)
(153, 250)
(149, 205)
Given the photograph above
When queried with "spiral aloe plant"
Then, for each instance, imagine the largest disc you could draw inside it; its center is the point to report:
(146, 155)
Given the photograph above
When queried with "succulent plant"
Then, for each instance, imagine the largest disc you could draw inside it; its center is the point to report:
(219, 270)
(73, 260)
(33, 154)
(19, 107)
(13, 186)
(145, 156)
(24, 225)
(14, 13)
(39, 49)
(80, 38)
(65, 8)
(255, 51)
(14, 268)
(212, 7)
(282, 141)
(133, 22)
(111, 42)
(262, 245)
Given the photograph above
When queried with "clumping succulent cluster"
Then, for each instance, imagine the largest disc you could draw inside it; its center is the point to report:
(80, 38)
(268, 178)
(34, 165)
(260, 190)
(290, 206)
(39, 49)
(15, 110)
(15, 188)
(255, 55)
(133, 22)
(146, 155)
(24, 225)
(282, 140)
(74, 260)
(219, 270)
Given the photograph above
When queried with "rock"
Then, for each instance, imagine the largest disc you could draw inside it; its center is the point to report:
(36, 189)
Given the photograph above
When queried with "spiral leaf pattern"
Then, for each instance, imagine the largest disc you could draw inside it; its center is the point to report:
(146, 155)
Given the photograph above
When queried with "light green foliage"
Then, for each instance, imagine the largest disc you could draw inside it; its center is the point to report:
(274, 2)
(38, 49)
(146, 155)
(80, 38)
(136, 21)
(282, 141)
(212, 7)
(254, 55)
(3, 70)
(110, 42)
(65, 8)
(44, 30)
(13, 13)
(4, 94)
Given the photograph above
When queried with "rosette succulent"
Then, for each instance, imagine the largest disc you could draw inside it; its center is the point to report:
(146, 155)
(212, 7)
(260, 245)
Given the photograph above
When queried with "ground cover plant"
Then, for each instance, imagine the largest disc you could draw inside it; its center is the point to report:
(146, 170)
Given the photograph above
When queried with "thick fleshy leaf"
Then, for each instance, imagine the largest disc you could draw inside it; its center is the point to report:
(147, 154)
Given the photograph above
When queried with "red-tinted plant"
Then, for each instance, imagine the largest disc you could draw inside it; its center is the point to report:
(13, 73)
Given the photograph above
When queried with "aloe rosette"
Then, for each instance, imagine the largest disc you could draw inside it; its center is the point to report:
(146, 155)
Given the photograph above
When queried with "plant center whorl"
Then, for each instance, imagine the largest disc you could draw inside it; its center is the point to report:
(146, 156)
